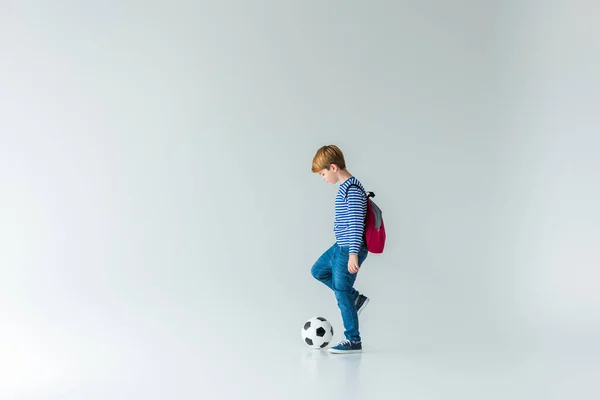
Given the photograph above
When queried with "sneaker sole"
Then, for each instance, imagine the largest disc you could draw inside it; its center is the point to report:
(332, 351)
(363, 306)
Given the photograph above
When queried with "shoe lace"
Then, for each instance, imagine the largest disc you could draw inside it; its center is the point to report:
(345, 343)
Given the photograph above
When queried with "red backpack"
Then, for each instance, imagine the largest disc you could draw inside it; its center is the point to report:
(374, 233)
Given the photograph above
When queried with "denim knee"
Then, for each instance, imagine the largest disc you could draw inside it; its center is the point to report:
(319, 271)
(315, 271)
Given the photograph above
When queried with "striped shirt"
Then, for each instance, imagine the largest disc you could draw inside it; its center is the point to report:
(350, 215)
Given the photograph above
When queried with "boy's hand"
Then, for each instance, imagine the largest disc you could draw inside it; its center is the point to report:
(353, 263)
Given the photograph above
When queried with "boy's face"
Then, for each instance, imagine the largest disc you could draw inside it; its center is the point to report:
(329, 175)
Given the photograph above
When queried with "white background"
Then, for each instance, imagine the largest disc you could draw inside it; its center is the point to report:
(158, 216)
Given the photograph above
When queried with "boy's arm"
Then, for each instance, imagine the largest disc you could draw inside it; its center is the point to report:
(356, 214)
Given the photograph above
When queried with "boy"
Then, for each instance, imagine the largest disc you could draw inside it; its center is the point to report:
(338, 266)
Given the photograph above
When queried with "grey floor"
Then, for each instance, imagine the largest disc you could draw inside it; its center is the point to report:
(173, 363)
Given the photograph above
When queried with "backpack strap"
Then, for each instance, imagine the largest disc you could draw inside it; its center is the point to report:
(368, 194)
(376, 209)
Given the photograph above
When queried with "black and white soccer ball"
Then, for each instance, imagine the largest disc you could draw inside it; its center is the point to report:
(317, 333)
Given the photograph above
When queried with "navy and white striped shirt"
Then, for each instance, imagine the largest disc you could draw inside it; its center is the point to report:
(350, 215)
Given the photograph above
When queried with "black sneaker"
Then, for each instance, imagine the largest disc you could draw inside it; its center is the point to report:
(346, 347)
(360, 303)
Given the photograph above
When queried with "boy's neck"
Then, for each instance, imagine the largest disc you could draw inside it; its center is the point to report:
(344, 175)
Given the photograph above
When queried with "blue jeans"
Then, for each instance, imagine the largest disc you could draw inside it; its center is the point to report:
(332, 269)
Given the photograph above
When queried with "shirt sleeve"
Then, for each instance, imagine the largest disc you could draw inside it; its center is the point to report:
(357, 211)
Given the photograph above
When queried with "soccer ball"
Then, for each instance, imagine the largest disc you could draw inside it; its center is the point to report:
(317, 333)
